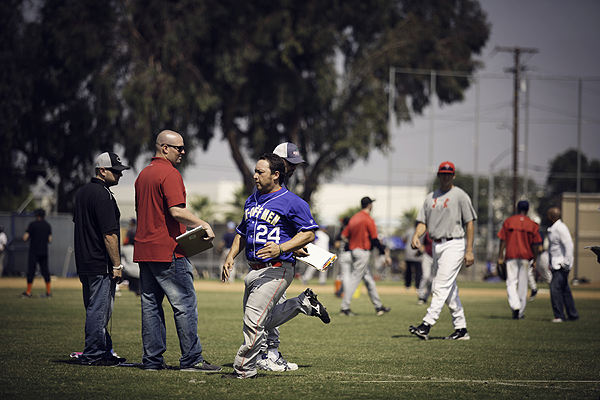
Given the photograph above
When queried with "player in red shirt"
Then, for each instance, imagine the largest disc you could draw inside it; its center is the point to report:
(361, 235)
(521, 239)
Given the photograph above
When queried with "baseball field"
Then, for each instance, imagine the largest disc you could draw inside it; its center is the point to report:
(361, 357)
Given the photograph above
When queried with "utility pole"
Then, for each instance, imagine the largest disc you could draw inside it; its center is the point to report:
(517, 51)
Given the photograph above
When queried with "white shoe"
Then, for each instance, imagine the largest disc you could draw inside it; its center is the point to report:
(266, 364)
(288, 366)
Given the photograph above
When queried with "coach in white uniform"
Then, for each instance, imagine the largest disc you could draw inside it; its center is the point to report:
(448, 215)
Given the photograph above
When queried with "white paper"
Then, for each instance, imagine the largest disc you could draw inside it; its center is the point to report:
(318, 258)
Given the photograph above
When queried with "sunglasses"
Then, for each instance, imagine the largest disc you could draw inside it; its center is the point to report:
(114, 171)
(178, 148)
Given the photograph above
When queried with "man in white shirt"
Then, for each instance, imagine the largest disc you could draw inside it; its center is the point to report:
(560, 252)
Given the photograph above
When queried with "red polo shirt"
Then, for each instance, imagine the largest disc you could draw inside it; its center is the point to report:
(157, 188)
(361, 229)
(520, 234)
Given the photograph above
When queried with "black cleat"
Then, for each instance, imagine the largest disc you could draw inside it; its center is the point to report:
(382, 310)
(421, 331)
(459, 334)
(533, 294)
(317, 308)
(347, 313)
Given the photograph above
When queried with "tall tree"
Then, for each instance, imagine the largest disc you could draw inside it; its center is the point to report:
(15, 88)
(312, 72)
(66, 112)
(562, 178)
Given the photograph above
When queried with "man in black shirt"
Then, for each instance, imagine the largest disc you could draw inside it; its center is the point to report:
(97, 256)
(40, 233)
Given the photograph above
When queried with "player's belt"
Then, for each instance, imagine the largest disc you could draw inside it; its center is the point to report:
(442, 240)
(260, 265)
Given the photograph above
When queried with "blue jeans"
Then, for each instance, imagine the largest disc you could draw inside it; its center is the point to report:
(98, 299)
(176, 281)
(560, 295)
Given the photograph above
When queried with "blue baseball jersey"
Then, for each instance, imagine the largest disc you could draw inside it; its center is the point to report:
(273, 217)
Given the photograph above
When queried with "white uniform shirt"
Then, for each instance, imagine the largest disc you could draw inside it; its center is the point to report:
(560, 250)
(446, 213)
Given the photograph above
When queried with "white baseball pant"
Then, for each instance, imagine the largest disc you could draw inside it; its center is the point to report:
(447, 259)
(516, 284)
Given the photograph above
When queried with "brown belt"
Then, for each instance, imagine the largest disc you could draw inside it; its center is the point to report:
(440, 240)
(260, 265)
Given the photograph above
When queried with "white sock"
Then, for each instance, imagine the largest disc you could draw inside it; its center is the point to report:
(273, 354)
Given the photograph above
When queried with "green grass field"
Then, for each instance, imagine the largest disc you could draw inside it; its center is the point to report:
(362, 357)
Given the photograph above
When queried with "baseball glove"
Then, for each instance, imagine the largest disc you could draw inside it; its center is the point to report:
(501, 270)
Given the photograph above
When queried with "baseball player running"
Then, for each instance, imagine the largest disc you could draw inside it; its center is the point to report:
(448, 215)
(272, 359)
(276, 222)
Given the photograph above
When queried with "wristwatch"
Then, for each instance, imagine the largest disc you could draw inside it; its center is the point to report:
(120, 267)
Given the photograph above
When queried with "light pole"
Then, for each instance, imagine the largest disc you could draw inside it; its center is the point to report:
(490, 224)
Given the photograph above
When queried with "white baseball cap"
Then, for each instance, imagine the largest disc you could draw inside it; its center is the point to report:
(289, 152)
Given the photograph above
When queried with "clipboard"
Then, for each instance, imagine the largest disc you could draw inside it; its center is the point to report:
(192, 242)
(318, 258)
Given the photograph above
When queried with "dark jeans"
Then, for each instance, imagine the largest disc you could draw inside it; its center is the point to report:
(560, 295)
(410, 266)
(98, 299)
(35, 259)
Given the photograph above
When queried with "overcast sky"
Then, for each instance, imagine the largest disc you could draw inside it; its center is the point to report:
(566, 35)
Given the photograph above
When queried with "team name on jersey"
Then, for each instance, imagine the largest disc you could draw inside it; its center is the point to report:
(262, 213)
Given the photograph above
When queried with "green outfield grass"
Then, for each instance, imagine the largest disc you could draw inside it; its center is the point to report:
(362, 357)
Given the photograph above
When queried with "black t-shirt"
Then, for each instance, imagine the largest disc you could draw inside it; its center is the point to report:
(39, 231)
(96, 213)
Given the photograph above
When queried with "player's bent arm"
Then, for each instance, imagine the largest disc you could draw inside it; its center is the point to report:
(185, 217)
(272, 249)
(416, 239)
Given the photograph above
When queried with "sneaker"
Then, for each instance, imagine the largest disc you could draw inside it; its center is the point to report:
(104, 362)
(46, 296)
(557, 320)
(420, 302)
(235, 375)
(347, 312)
(382, 310)
(120, 360)
(459, 334)
(516, 314)
(203, 367)
(421, 331)
(157, 367)
(289, 366)
(533, 294)
(317, 308)
(266, 364)
(25, 295)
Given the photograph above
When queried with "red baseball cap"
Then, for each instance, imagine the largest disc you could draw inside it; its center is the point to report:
(446, 168)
